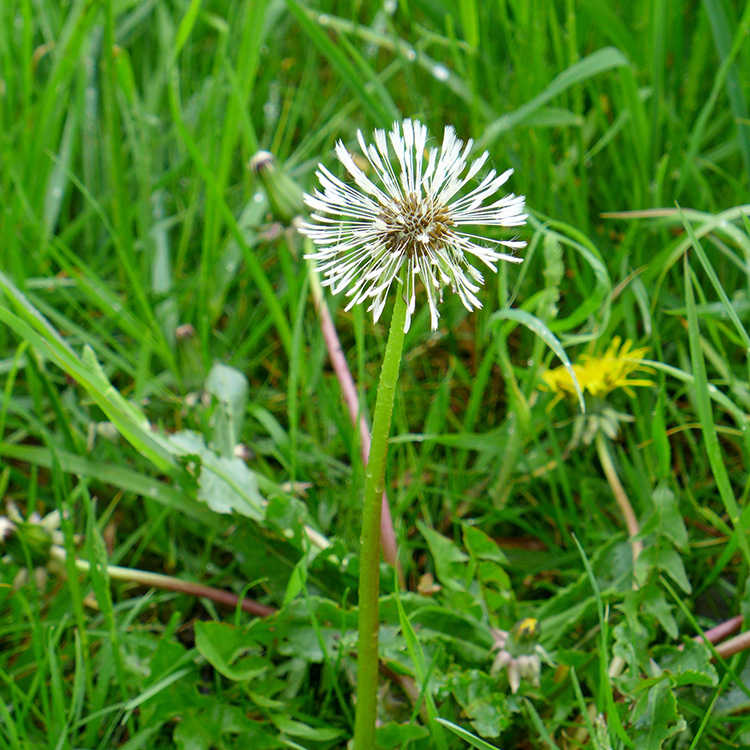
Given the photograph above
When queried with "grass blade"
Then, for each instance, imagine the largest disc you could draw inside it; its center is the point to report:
(537, 327)
(472, 739)
(705, 415)
(596, 63)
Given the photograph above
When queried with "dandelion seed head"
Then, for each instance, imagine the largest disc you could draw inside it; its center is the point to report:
(412, 224)
(406, 224)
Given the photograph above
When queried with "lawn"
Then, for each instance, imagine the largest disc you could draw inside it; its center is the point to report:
(185, 400)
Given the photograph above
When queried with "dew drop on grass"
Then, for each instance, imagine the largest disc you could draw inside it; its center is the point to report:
(440, 72)
(323, 19)
(410, 55)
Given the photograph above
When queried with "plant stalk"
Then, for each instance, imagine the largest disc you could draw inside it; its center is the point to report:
(623, 502)
(349, 390)
(169, 583)
(369, 560)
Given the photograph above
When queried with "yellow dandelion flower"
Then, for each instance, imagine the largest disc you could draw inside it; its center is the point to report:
(601, 374)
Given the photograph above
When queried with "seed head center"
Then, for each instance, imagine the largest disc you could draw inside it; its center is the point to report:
(413, 224)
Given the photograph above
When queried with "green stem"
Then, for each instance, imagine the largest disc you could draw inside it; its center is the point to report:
(369, 560)
(623, 502)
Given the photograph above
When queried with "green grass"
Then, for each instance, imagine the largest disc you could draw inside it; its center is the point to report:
(127, 210)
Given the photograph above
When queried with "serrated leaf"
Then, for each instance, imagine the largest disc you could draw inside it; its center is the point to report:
(631, 645)
(631, 608)
(658, 719)
(496, 584)
(666, 519)
(655, 603)
(665, 560)
(295, 636)
(690, 665)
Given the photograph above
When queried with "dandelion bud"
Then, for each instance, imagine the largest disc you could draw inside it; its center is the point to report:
(519, 653)
(30, 542)
(283, 193)
(30, 539)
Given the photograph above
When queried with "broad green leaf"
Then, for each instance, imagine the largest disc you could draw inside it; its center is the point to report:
(450, 561)
(630, 645)
(206, 727)
(393, 736)
(226, 485)
(230, 388)
(481, 546)
(196, 732)
(229, 650)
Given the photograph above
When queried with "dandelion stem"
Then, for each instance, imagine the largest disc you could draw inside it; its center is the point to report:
(623, 503)
(169, 583)
(369, 561)
(349, 389)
